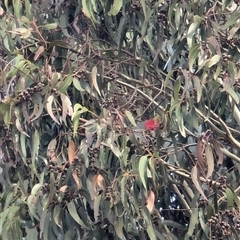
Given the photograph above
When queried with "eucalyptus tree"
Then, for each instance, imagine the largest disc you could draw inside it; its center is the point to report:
(119, 119)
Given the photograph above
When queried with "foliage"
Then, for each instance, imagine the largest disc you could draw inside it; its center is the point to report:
(77, 81)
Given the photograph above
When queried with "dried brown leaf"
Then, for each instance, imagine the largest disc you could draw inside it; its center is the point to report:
(71, 151)
(150, 201)
(94, 182)
(200, 150)
(39, 51)
(100, 182)
(51, 150)
(63, 188)
(196, 182)
(217, 149)
(216, 45)
(76, 179)
(1, 11)
(209, 160)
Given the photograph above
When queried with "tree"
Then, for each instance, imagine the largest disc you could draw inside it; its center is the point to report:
(119, 119)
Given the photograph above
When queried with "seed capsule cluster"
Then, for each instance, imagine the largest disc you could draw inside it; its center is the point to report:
(135, 7)
(28, 92)
(222, 223)
(109, 195)
(221, 183)
(93, 155)
(156, 218)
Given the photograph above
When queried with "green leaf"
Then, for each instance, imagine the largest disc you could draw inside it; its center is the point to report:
(168, 76)
(232, 70)
(150, 229)
(176, 89)
(35, 143)
(95, 81)
(218, 71)
(234, 17)
(120, 34)
(64, 84)
(118, 225)
(193, 54)
(56, 213)
(203, 222)
(115, 150)
(73, 212)
(171, 13)
(17, 5)
(142, 170)
(32, 234)
(229, 195)
(198, 87)
(130, 118)
(193, 222)
(50, 26)
(88, 10)
(76, 114)
(116, 6)
(77, 85)
(23, 147)
(180, 122)
(214, 60)
(123, 192)
(19, 127)
(38, 107)
(36, 189)
(46, 226)
(192, 30)
(144, 8)
(31, 202)
(233, 94)
(171, 223)
(236, 199)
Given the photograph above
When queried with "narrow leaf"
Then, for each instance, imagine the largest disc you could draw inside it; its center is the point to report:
(39, 51)
(50, 26)
(217, 150)
(214, 60)
(94, 80)
(180, 121)
(19, 127)
(193, 54)
(142, 170)
(130, 118)
(198, 87)
(71, 151)
(193, 221)
(73, 212)
(150, 201)
(117, 4)
(194, 176)
(76, 179)
(66, 106)
(229, 195)
(209, 160)
(233, 94)
(49, 108)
